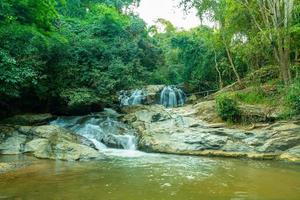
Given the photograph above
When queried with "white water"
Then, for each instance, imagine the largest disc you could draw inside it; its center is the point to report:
(106, 133)
(135, 98)
(171, 96)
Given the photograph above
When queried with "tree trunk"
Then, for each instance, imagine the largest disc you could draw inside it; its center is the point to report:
(285, 67)
(219, 73)
(232, 64)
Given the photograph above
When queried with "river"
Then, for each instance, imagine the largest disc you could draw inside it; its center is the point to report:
(133, 175)
(129, 174)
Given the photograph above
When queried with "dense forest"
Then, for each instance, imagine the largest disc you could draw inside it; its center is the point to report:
(65, 56)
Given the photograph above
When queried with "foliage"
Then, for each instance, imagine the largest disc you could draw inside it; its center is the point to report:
(81, 52)
(21, 58)
(257, 32)
(40, 13)
(80, 97)
(196, 58)
(293, 97)
(227, 108)
(49, 56)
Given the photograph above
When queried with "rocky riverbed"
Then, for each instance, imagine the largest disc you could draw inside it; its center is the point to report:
(190, 130)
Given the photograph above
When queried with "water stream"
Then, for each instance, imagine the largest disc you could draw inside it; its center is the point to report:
(106, 132)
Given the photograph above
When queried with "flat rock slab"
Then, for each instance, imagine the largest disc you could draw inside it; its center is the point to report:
(175, 131)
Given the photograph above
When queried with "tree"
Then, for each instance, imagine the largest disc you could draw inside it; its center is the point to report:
(217, 11)
(271, 20)
(276, 18)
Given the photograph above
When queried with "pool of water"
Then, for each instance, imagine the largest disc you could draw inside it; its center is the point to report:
(133, 175)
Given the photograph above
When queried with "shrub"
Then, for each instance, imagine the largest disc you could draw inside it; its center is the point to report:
(80, 97)
(293, 97)
(227, 108)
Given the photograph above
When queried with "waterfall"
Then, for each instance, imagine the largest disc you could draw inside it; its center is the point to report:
(171, 96)
(103, 131)
(135, 98)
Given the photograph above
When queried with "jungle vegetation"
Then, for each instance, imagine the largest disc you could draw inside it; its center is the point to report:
(65, 56)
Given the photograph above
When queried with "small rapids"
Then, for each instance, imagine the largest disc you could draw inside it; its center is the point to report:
(104, 131)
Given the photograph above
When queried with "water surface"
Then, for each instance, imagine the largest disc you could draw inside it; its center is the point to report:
(133, 175)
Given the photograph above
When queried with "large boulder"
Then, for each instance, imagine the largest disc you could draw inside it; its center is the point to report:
(60, 149)
(183, 131)
(153, 93)
(46, 142)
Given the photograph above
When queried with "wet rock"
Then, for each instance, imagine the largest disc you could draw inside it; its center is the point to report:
(5, 167)
(152, 92)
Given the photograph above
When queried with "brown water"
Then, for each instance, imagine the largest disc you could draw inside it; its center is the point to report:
(139, 176)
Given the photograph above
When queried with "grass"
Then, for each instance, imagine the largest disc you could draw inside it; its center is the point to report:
(258, 95)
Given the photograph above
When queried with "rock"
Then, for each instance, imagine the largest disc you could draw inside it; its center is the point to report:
(183, 131)
(29, 119)
(292, 155)
(46, 141)
(282, 141)
(207, 111)
(5, 167)
(153, 92)
(60, 149)
(257, 113)
(13, 145)
(192, 99)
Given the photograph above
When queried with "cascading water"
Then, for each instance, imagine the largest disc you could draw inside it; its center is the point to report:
(135, 98)
(103, 131)
(171, 96)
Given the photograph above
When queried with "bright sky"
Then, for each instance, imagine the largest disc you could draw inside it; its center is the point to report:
(151, 10)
